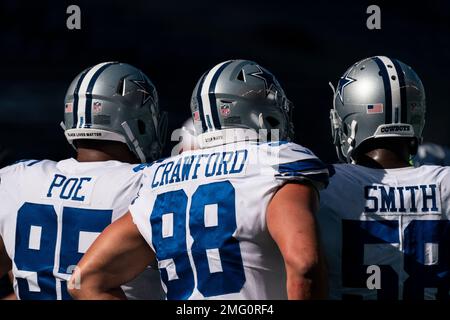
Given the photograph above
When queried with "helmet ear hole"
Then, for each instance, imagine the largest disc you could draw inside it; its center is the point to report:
(119, 89)
(273, 122)
(345, 129)
(240, 76)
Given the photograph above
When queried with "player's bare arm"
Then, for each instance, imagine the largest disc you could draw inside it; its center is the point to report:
(291, 223)
(12, 295)
(117, 256)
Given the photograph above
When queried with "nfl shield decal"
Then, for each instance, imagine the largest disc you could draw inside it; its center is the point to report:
(225, 109)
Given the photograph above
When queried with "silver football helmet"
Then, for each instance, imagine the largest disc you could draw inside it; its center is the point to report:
(239, 94)
(117, 102)
(376, 97)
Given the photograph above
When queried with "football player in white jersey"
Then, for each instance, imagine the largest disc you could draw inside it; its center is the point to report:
(384, 224)
(232, 220)
(52, 211)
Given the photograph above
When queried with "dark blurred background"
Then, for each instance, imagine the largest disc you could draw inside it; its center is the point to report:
(305, 44)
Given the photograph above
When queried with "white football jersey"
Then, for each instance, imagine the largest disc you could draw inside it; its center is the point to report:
(204, 214)
(51, 213)
(386, 233)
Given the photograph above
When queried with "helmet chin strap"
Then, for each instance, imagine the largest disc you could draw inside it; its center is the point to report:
(336, 128)
(336, 122)
(351, 141)
(334, 91)
(134, 141)
(261, 121)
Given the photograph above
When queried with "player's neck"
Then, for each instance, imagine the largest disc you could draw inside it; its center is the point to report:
(93, 155)
(384, 159)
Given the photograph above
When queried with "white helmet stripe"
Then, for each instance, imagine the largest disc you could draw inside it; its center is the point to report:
(403, 96)
(205, 98)
(76, 98)
(82, 94)
(395, 88)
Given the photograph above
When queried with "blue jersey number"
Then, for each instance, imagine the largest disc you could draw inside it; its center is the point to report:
(36, 239)
(216, 253)
(422, 274)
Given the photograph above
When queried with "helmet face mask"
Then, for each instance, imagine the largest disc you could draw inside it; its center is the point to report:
(116, 102)
(377, 97)
(239, 95)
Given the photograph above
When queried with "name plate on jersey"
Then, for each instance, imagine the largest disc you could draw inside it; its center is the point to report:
(399, 200)
(200, 166)
(70, 188)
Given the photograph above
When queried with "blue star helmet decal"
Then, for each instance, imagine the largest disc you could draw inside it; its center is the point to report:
(267, 77)
(147, 89)
(344, 81)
